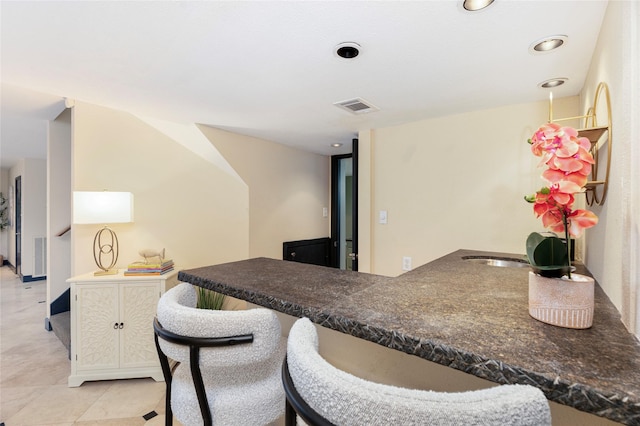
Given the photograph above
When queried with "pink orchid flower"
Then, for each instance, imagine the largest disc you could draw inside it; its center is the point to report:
(569, 163)
(551, 199)
(555, 176)
(551, 210)
(579, 220)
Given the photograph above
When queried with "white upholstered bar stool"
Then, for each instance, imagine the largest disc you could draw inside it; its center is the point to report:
(238, 355)
(321, 395)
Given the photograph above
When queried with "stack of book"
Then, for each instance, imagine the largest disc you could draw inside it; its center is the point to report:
(145, 269)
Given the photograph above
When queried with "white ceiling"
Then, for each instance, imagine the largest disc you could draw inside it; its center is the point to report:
(268, 68)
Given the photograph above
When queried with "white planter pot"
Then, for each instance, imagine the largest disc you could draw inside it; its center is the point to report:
(562, 302)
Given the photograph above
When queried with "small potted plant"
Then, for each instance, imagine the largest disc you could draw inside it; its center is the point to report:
(556, 296)
(209, 299)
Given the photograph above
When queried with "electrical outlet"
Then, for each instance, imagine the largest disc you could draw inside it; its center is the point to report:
(406, 263)
(325, 212)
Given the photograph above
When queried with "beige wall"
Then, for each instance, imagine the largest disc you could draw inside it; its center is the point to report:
(4, 235)
(449, 183)
(287, 190)
(366, 198)
(202, 209)
(183, 202)
(34, 209)
(59, 206)
(613, 247)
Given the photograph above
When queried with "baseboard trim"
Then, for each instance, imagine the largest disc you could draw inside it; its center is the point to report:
(62, 303)
(30, 278)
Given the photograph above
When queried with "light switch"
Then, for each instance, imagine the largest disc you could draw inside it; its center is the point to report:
(383, 217)
(406, 263)
(325, 212)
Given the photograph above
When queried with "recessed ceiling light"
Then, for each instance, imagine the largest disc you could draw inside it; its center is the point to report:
(548, 44)
(336, 145)
(553, 82)
(473, 5)
(347, 50)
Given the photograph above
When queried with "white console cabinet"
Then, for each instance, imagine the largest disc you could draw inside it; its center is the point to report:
(112, 326)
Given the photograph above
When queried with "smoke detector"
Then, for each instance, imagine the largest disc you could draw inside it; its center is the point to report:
(356, 106)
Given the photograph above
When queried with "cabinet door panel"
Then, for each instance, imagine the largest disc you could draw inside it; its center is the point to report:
(138, 302)
(97, 338)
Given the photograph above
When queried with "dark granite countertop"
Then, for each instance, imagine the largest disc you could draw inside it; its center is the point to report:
(461, 314)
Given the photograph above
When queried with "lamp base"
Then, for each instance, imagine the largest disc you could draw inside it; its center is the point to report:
(107, 272)
(105, 248)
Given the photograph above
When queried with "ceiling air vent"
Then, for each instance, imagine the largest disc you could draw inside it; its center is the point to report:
(356, 106)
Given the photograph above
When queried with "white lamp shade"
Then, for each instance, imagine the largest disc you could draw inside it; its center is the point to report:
(102, 207)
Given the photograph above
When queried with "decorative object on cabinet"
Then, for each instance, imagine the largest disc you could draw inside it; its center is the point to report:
(568, 160)
(599, 133)
(149, 254)
(111, 333)
(143, 268)
(103, 208)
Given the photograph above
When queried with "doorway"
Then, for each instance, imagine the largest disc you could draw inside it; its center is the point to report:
(344, 210)
(18, 222)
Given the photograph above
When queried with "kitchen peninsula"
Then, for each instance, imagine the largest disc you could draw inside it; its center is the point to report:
(459, 313)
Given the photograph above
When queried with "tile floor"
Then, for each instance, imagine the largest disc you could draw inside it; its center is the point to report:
(34, 367)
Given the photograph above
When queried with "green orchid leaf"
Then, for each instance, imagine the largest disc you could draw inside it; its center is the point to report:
(547, 255)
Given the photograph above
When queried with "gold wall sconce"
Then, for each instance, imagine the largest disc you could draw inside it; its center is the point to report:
(596, 128)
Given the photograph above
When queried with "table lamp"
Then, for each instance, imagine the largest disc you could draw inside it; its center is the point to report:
(103, 207)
